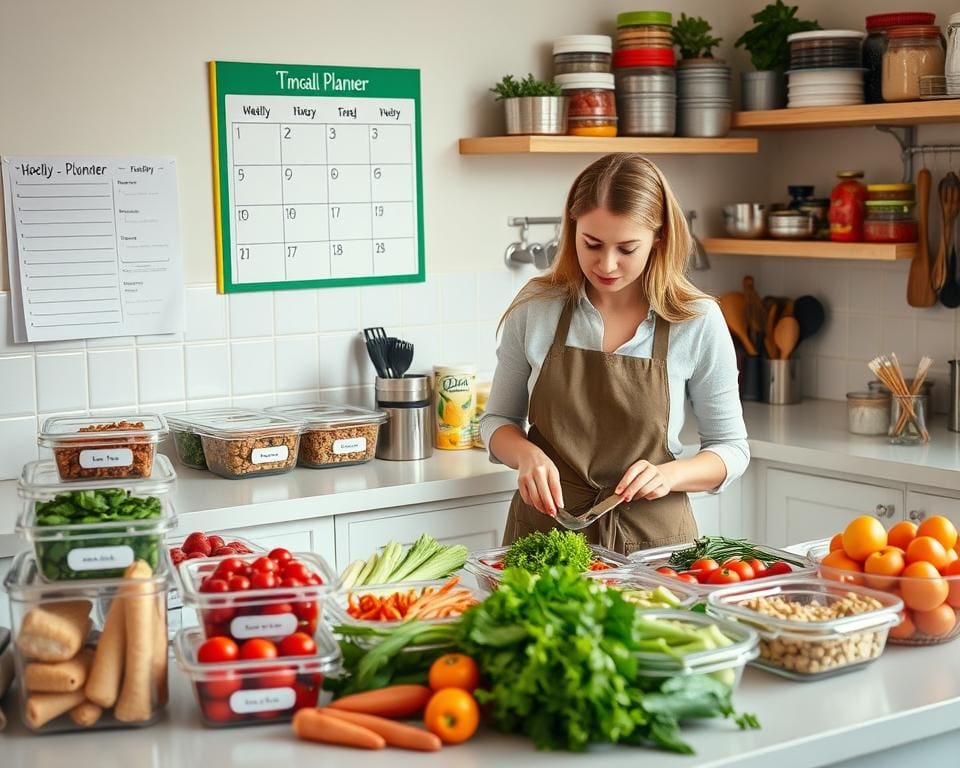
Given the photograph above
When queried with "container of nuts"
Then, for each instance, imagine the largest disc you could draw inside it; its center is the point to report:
(811, 628)
(335, 435)
(88, 448)
(240, 443)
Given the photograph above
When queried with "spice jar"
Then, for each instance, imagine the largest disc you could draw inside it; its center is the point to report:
(868, 413)
(645, 29)
(911, 53)
(951, 68)
(582, 53)
(890, 221)
(905, 192)
(878, 25)
(592, 105)
(847, 208)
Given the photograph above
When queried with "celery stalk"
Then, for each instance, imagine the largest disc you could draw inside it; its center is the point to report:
(367, 570)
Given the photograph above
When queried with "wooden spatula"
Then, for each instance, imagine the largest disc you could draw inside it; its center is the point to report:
(920, 291)
(734, 308)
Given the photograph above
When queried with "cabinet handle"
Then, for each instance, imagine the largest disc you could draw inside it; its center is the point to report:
(917, 515)
(885, 510)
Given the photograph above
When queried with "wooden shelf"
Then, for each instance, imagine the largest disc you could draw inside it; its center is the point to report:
(906, 113)
(811, 249)
(522, 145)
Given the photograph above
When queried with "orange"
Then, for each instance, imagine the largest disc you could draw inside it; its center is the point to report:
(922, 587)
(941, 529)
(929, 550)
(836, 542)
(952, 571)
(836, 562)
(905, 628)
(452, 714)
(887, 562)
(936, 623)
(864, 536)
(952, 557)
(454, 670)
(902, 534)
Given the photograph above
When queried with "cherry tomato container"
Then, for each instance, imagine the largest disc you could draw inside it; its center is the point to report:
(270, 612)
(649, 560)
(257, 691)
(635, 584)
(486, 565)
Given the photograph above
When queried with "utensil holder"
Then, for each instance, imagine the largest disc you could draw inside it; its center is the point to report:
(750, 378)
(408, 433)
(953, 413)
(781, 381)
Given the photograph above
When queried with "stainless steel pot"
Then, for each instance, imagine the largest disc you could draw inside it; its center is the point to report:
(746, 220)
(536, 115)
(703, 121)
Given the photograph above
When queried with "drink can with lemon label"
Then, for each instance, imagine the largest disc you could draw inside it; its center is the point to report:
(455, 403)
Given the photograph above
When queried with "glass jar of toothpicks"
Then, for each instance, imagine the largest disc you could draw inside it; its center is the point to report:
(908, 416)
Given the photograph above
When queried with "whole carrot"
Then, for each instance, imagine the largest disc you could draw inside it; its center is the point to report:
(395, 734)
(392, 701)
(313, 725)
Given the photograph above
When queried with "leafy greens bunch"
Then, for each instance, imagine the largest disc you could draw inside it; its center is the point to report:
(767, 40)
(537, 551)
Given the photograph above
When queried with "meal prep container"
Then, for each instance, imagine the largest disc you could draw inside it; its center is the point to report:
(725, 664)
(186, 440)
(810, 650)
(634, 580)
(57, 629)
(240, 443)
(94, 550)
(651, 559)
(913, 591)
(268, 613)
(89, 448)
(257, 690)
(480, 564)
(334, 435)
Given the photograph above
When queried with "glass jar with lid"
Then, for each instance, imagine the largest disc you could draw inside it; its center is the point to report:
(891, 192)
(951, 66)
(868, 413)
(912, 52)
(582, 53)
(878, 25)
(645, 29)
(890, 221)
(847, 207)
(592, 104)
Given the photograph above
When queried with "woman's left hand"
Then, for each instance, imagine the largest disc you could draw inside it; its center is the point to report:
(645, 481)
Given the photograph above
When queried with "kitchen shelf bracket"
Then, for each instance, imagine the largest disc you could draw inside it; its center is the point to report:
(906, 137)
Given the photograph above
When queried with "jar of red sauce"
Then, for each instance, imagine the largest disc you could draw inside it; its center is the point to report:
(593, 106)
(890, 221)
(847, 208)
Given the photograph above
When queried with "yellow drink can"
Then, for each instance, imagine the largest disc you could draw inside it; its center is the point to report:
(455, 404)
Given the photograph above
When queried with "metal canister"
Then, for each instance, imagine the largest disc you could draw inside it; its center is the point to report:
(953, 412)
(408, 432)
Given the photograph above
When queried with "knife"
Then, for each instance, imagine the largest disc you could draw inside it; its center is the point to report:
(576, 523)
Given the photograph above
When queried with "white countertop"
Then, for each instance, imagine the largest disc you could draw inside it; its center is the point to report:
(908, 695)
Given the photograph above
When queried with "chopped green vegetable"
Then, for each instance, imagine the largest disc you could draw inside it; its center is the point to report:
(721, 549)
(426, 560)
(190, 449)
(538, 551)
(661, 597)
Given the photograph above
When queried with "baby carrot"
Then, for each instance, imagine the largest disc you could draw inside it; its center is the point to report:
(395, 734)
(313, 725)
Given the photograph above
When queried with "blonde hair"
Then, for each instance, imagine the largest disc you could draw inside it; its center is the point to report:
(628, 185)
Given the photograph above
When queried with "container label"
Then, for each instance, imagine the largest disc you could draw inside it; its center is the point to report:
(267, 455)
(274, 625)
(349, 445)
(262, 700)
(99, 558)
(106, 457)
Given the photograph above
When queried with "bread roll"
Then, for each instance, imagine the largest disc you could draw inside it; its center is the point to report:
(59, 677)
(54, 631)
(135, 703)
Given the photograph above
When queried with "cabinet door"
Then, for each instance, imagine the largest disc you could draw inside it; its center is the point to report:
(302, 536)
(804, 507)
(706, 511)
(923, 505)
(5, 563)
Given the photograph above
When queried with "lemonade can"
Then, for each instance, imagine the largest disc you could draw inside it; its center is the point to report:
(455, 403)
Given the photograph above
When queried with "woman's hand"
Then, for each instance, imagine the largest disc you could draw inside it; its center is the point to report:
(644, 480)
(539, 481)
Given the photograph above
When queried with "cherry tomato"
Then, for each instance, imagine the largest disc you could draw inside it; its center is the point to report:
(724, 576)
(297, 644)
(238, 583)
(214, 585)
(258, 648)
(275, 609)
(742, 569)
(282, 677)
(263, 580)
(688, 576)
(231, 565)
(286, 581)
(705, 564)
(314, 580)
(279, 555)
(498, 565)
(759, 568)
(264, 565)
(778, 568)
(666, 571)
(221, 685)
(217, 710)
(217, 649)
(306, 610)
(294, 569)
(703, 577)
(307, 694)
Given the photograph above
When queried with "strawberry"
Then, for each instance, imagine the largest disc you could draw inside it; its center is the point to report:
(215, 542)
(177, 555)
(196, 542)
(195, 556)
(224, 550)
(240, 547)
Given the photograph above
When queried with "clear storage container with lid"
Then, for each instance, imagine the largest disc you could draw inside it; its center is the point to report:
(186, 440)
(951, 67)
(644, 588)
(581, 53)
(87, 447)
(592, 103)
(645, 29)
(912, 52)
(69, 643)
(876, 45)
(239, 443)
(334, 435)
(246, 692)
(487, 564)
(905, 192)
(868, 413)
(96, 528)
(890, 221)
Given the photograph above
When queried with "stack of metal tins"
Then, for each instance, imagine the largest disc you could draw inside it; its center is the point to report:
(705, 103)
(643, 67)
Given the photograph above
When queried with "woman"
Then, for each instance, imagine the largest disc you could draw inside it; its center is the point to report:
(598, 356)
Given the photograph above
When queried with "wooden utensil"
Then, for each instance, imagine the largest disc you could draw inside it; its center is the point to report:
(769, 344)
(734, 307)
(950, 293)
(787, 309)
(755, 316)
(920, 291)
(787, 334)
(949, 208)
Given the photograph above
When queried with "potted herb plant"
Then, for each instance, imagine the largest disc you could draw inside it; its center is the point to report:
(770, 54)
(692, 35)
(532, 106)
(704, 105)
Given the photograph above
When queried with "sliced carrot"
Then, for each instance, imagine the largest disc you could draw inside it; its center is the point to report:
(392, 701)
(395, 734)
(313, 725)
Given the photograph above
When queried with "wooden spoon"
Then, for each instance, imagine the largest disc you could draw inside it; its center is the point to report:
(787, 334)
(950, 206)
(773, 352)
(734, 308)
(920, 292)
(755, 314)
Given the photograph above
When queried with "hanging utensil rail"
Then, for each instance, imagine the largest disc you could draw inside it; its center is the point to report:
(909, 147)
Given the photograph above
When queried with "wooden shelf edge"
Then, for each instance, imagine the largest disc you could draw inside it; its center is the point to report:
(811, 249)
(905, 113)
(511, 145)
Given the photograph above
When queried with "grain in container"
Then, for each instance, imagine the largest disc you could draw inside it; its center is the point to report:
(334, 435)
(592, 103)
(581, 53)
(868, 413)
(878, 25)
(912, 52)
(645, 29)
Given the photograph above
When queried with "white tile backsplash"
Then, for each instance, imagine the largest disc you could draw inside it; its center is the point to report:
(251, 314)
(160, 374)
(494, 294)
(458, 298)
(295, 312)
(112, 376)
(297, 363)
(458, 343)
(343, 361)
(252, 367)
(338, 309)
(380, 305)
(17, 398)
(899, 335)
(206, 313)
(61, 382)
(18, 445)
(866, 288)
(420, 302)
(426, 347)
(207, 371)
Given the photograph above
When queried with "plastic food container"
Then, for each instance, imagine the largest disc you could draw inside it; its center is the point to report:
(931, 607)
(725, 664)
(486, 564)
(186, 440)
(890, 221)
(645, 29)
(591, 98)
(138, 515)
(652, 559)
(257, 690)
(240, 443)
(88, 448)
(906, 192)
(334, 435)
(633, 582)
(582, 53)
(810, 648)
(68, 635)
(268, 613)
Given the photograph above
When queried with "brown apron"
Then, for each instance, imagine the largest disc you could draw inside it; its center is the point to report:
(594, 414)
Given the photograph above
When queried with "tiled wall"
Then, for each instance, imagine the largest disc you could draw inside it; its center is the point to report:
(252, 349)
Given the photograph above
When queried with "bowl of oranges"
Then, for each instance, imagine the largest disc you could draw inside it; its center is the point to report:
(918, 563)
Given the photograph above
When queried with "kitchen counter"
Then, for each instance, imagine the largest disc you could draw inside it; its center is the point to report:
(907, 705)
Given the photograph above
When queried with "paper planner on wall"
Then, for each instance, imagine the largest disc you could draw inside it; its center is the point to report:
(317, 176)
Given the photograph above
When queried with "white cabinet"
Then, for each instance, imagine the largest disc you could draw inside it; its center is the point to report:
(924, 505)
(802, 507)
(706, 511)
(5, 563)
(300, 536)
